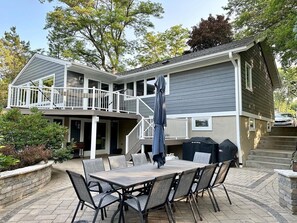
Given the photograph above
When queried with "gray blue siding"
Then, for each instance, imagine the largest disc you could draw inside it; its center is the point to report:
(39, 68)
(260, 100)
(207, 89)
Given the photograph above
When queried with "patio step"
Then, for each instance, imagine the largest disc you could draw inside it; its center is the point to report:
(273, 152)
(268, 165)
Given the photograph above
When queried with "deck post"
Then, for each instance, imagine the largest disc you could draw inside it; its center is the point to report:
(9, 96)
(95, 119)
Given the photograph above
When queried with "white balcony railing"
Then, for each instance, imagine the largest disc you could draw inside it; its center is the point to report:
(75, 98)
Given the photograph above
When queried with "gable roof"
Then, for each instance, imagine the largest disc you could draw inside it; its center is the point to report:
(237, 46)
(215, 52)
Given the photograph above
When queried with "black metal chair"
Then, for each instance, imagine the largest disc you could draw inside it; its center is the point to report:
(219, 179)
(139, 159)
(204, 181)
(182, 190)
(156, 198)
(97, 202)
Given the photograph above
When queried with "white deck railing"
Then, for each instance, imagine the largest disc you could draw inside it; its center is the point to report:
(73, 98)
(177, 128)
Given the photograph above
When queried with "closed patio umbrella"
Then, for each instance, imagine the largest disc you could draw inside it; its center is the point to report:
(158, 148)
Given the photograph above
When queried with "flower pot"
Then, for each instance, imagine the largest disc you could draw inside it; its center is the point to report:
(294, 166)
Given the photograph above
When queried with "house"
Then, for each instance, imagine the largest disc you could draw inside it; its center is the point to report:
(225, 92)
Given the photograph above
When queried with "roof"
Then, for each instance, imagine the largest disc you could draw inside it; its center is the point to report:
(246, 42)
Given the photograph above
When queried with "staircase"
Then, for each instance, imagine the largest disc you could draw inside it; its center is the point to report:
(274, 151)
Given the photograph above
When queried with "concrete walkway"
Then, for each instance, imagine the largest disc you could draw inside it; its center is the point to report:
(253, 192)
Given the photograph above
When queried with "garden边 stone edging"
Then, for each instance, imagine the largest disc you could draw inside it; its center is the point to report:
(19, 183)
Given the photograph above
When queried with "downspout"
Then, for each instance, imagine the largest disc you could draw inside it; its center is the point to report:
(237, 112)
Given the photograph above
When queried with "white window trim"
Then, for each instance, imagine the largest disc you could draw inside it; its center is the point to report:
(208, 128)
(248, 68)
(253, 127)
(167, 89)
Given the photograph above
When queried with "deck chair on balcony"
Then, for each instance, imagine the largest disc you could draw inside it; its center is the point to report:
(219, 179)
(182, 190)
(139, 159)
(116, 162)
(97, 202)
(200, 157)
(203, 183)
(156, 198)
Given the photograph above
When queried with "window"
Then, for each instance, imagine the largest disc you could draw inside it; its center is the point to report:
(130, 89)
(248, 77)
(268, 126)
(150, 86)
(145, 87)
(140, 88)
(201, 123)
(252, 124)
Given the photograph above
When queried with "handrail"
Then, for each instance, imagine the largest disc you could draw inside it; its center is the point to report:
(76, 97)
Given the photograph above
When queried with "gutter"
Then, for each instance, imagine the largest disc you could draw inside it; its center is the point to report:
(237, 112)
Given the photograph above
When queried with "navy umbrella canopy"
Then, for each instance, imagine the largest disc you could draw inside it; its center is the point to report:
(158, 148)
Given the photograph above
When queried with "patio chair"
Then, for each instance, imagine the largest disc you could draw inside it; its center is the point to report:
(156, 198)
(182, 190)
(219, 179)
(203, 182)
(116, 162)
(200, 157)
(150, 154)
(139, 159)
(97, 202)
(93, 166)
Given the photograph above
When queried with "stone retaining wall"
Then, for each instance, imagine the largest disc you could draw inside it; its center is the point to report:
(16, 184)
(287, 182)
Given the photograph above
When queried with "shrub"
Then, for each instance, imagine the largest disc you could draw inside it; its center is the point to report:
(7, 161)
(32, 138)
(26, 157)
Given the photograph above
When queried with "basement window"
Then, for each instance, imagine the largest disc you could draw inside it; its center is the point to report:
(252, 124)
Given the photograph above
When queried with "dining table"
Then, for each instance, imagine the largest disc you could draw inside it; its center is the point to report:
(130, 177)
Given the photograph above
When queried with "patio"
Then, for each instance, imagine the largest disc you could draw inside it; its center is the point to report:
(254, 195)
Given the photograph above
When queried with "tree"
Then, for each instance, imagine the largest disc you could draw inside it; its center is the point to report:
(14, 54)
(94, 31)
(211, 32)
(269, 18)
(161, 46)
(284, 97)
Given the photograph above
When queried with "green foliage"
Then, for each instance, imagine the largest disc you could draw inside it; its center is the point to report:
(210, 33)
(271, 18)
(94, 31)
(285, 96)
(14, 54)
(7, 161)
(28, 156)
(161, 46)
(32, 137)
(63, 154)
(21, 131)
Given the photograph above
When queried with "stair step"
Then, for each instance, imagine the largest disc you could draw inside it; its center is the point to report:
(272, 153)
(268, 165)
(270, 159)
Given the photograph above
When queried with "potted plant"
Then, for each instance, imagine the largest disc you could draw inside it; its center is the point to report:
(294, 160)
